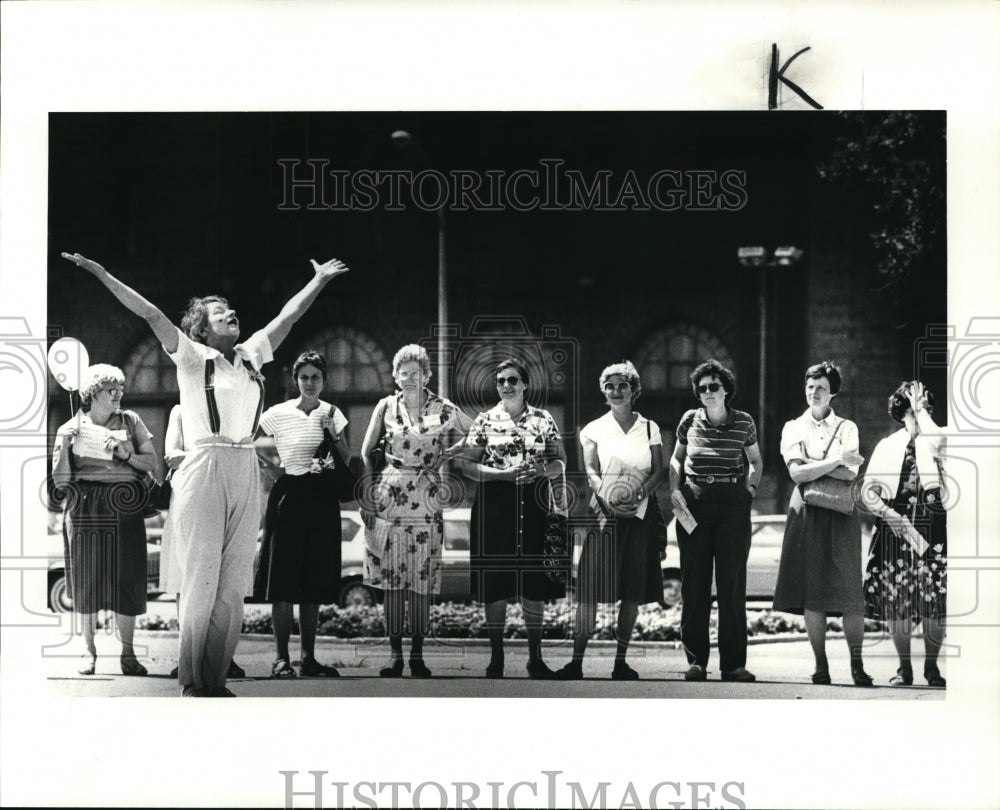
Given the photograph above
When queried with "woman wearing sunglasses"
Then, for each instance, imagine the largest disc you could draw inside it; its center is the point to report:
(621, 560)
(515, 449)
(708, 476)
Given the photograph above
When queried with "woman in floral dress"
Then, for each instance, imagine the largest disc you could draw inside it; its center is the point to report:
(412, 428)
(906, 577)
(513, 450)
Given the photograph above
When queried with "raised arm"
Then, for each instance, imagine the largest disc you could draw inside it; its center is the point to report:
(278, 329)
(165, 331)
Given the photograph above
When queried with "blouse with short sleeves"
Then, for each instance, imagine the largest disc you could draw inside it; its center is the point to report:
(297, 434)
(612, 442)
(507, 444)
(236, 391)
(110, 470)
(805, 439)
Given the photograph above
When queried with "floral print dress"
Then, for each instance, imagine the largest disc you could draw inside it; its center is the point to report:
(899, 582)
(410, 496)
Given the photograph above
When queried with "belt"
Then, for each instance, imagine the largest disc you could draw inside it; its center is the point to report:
(224, 441)
(714, 479)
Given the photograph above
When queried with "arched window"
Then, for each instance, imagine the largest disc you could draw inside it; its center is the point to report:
(356, 364)
(666, 358)
(148, 370)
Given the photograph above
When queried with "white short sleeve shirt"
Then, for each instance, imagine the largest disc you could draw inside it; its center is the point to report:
(297, 434)
(632, 448)
(812, 436)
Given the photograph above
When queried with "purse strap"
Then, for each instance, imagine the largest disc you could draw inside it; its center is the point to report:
(829, 444)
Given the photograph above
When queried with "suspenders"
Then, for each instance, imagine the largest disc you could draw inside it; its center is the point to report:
(213, 407)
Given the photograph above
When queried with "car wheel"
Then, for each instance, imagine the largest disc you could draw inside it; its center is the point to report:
(59, 598)
(671, 587)
(356, 592)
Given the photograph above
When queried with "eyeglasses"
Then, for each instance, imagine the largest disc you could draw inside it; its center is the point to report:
(114, 390)
(612, 387)
(713, 387)
(511, 381)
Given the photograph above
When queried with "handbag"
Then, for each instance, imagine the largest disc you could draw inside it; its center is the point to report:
(335, 469)
(826, 492)
(555, 545)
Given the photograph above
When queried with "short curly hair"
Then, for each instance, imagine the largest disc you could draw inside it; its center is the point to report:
(96, 377)
(899, 404)
(412, 352)
(825, 369)
(623, 369)
(514, 363)
(309, 358)
(195, 318)
(713, 368)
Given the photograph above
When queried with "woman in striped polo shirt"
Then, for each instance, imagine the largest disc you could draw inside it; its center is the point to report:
(708, 476)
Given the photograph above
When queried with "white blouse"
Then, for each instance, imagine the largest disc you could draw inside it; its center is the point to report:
(297, 434)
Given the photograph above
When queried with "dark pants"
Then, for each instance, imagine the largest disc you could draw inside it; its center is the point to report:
(722, 537)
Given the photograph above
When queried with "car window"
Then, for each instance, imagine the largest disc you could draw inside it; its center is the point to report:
(456, 535)
(348, 528)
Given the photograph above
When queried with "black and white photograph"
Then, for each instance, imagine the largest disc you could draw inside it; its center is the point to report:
(463, 439)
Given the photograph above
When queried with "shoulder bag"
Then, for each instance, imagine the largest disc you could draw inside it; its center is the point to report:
(826, 492)
(341, 477)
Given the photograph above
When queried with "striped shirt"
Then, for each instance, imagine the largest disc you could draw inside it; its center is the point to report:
(297, 434)
(715, 450)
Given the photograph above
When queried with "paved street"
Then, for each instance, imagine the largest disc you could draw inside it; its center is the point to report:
(782, 668)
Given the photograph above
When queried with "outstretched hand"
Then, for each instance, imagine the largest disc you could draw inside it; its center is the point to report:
(81, 261)
(329, 270)
(915, 393)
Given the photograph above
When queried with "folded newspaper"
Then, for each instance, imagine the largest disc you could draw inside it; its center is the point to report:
(376, 536)
(684, 517)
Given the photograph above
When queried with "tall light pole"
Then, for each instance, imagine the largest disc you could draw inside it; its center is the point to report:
(759, 258)
(404, 140)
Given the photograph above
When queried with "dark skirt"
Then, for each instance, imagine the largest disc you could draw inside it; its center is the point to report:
(899, 583)
(104, 535)
(299, 558)
(507, 533)
(820, 566)
(622, 561)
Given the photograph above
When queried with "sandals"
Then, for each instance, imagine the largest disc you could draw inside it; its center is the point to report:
(89, 665)
(282, 669)
(903, 677)
(311, 668)
(821, 678)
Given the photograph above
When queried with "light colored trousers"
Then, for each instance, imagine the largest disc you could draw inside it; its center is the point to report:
(215, 519)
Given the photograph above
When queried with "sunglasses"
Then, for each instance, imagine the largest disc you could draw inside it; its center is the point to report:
(511, 381)
(612, 387)
(712, 387)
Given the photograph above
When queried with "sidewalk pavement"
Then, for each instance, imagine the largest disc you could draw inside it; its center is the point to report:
(783, 668)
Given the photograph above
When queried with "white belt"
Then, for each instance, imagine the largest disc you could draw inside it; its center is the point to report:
(225, 441)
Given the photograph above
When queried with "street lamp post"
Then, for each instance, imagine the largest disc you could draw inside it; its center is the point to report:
(759, 258)
(404, 140)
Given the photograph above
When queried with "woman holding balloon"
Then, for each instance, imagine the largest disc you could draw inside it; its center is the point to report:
(99, 462)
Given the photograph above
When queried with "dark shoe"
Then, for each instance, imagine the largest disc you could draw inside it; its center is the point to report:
(903, 677)
(696, 672)
(394, 670)
(218, 691)
(623, 672)
(934, 678)
(234, 671)
(861, 678)
(573, 671)
(130, 666)
(539, 670)
(739, 675)
(173, 672)
(89, 665)
(311, 668)
(418, 669)
(191, 691)
(495, 669)
(821, 678)
(282, 669)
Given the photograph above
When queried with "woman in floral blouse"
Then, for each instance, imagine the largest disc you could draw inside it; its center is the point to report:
(906, 577)
(514, 450)
(411, 427)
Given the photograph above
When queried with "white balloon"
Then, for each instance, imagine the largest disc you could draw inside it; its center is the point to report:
(68, 359)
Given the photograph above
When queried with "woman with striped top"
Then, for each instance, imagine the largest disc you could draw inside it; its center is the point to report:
(708, 476)
(299, 561)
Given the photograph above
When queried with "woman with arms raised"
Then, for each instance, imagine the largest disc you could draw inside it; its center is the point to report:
(216, 493)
